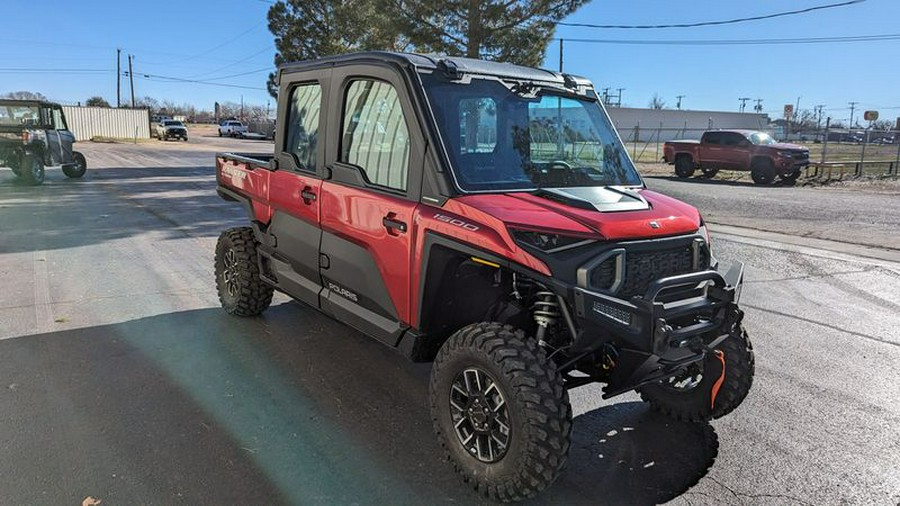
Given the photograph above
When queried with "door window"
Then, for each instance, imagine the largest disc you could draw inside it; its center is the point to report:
(713, 138)
(375, 134)
(303, 125)
(59, 122)
(732, 139)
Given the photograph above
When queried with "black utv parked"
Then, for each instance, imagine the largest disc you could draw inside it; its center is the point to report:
(34, 134)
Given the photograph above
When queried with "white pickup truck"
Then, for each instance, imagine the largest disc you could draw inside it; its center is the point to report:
(232, 128)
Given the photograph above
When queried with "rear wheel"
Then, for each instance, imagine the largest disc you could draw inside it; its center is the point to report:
(241, 291)
(684, 166)
(711, 389)
(762, 171)
(500, 411)
(77, 168)
(32, 169)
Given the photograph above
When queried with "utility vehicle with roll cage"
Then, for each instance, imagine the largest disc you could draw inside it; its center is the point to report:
(34, 134)
(486, 217)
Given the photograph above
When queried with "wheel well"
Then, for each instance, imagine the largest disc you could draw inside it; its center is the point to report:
(761, 159)
(682, 156)
(458, 291)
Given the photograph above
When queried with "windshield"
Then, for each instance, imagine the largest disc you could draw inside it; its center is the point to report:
(498, 140)
(173, 123)
(19, 115)
(761, 138)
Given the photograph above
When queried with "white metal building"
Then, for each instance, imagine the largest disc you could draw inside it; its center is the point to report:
(651, 125)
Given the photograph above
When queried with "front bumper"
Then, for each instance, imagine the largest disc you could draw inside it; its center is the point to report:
(674, 324)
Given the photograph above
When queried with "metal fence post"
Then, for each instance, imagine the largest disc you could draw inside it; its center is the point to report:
(897, 161)
(860, 168)
(637, 136)
(658, 133)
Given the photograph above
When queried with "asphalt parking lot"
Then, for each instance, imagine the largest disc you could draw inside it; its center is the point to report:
(121, 379)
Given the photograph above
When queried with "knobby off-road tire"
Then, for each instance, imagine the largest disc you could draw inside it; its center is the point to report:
(684, 166)
(78, 168)
(31, 169)
(762, 171)
(241, 291)
(513, 379)
(694, 404)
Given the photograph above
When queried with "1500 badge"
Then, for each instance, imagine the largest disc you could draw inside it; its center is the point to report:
(456, 222)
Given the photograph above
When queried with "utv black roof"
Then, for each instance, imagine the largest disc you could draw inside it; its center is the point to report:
(15, 101)
(463, 66)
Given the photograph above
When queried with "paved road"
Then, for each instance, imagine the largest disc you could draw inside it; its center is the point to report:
(844, 215)
(121, 379)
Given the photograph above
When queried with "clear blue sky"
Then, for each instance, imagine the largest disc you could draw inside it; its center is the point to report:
(209, 39)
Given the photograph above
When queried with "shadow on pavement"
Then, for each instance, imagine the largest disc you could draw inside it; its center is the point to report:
(198, 407)
(746, 183)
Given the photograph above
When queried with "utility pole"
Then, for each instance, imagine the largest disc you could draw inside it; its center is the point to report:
(560, 55)
(605, 96)
(131, 78)
(619, 99)
(242, 108)
(743, 102)
(819, 108)
(118, 77)
(852, 108)
(678, 104)
(758, 106)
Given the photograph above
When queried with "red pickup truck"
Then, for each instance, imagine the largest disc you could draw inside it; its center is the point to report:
(743, 150)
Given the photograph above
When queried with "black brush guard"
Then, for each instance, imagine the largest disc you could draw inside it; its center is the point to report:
(650, 346)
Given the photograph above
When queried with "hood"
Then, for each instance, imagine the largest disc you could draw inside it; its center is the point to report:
(610, 217)
(788, 146)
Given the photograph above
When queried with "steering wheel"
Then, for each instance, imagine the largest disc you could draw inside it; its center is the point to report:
(560, 163)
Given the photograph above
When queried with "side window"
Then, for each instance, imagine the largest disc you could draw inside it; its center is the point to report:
(477, 125)
(375, 135)
(712, 138)
(303, 125)
(59, 123)
(732, 139)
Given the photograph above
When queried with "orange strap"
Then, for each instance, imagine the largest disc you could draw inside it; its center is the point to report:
(718, 384)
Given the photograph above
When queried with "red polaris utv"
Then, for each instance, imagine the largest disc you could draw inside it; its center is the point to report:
(486, 217)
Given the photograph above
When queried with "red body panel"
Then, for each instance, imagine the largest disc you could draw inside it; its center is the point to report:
(732, 157)
(242, 177)
(356, 215)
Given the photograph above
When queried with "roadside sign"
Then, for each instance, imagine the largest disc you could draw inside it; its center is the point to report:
(788, 111)
(871, 116)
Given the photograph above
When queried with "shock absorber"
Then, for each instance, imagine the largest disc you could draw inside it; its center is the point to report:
(545, 311)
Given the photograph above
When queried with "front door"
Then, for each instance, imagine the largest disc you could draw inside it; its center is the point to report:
(369, 202)
(65, 136)
(294, 192)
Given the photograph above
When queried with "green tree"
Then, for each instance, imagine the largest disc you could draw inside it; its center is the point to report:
(306, 30)
(96, 101)
(515, 31)
(24, 95)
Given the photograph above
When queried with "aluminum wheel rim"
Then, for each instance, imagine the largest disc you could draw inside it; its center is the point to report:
(36, 168)
(230, 272)
(480, 415)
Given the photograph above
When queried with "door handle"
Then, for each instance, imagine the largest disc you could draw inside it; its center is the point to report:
(308, 195)
(391, 223)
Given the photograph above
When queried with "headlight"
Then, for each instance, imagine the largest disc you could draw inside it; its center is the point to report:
(548, 241)
(786, 154)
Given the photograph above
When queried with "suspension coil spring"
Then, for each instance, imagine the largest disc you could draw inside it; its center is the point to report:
(545, 308)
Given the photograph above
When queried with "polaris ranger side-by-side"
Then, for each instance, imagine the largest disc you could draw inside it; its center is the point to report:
(34, 134)
(486, 217)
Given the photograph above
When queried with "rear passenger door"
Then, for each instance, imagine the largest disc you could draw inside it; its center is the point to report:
(294, 187)
(368, 201)
(712, 152)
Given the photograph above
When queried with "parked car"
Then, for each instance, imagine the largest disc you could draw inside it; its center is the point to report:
(34, 134)
(740, 150)
(521, 268)
(171, 129)
(232, 128)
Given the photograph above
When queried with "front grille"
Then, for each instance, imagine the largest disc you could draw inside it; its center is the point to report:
(642, 267)
(801, 155)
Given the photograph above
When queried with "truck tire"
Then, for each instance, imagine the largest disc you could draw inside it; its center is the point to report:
(790, 177)
(708, 172)
(241, 291)
(693, 401)
(684, 166)
(77, 168)
(32, 169)
(762, 171)
(500, 411)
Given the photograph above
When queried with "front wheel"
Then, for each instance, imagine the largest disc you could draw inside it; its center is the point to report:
(500, 411)
(711, 389)
(790, 177)
(241, 291)
(32, 169)
(708, 172)
(77, 168)
(762, 171)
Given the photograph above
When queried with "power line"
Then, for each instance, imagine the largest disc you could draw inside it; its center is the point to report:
(732, 42)
(195, 81)
(721, 22)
